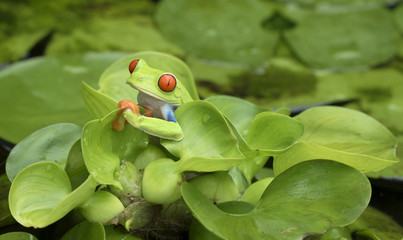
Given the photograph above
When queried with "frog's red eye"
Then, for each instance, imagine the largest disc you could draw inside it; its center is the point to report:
(133, 65)
(167, 82)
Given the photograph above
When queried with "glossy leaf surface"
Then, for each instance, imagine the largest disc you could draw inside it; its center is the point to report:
(209, 144)
(41, 194)
(307, 198)
(51, 143)
(343, 135)
(101, 207)
(104, 148)
(46, 90)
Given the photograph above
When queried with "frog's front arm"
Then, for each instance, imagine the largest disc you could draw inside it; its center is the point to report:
(154, 126)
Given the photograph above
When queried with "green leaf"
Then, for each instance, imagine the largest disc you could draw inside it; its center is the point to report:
(101, 207)
(255, 191)
(114, 234)
(398, 14)
(86, 231)
(46, 90)
(215, 31)
(51, 143)
(307, 198)
(75, 166)
(41, 194)
(17, 236)
(104, 148)
(209, 144)
(161, 181)
(217, 186)
(343, 135)
(239, 112)
(273, 133)
(5, 215)
(343, 39)
(97, 103)
(113, 80)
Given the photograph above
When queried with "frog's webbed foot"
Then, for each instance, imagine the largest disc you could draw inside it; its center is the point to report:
(119, 123)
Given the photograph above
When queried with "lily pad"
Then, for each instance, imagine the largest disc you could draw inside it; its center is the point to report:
(343, 135)
(215, 31)
(113, 80)
(41, 194)
(208, 144)
(104, 148)
(307, 198)
(51, 143)
(46, 90)
(331, 40)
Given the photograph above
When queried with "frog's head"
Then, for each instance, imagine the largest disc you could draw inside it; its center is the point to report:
(156, 83)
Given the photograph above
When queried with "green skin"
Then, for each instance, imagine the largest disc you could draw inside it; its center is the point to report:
(162, 124)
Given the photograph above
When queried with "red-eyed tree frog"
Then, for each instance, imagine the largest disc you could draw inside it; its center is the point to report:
(160, 93)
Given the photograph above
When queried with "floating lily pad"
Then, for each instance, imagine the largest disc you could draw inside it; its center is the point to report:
(51, 143)
(307, 198)
(356, 140)
(42, 91)
(346, 39)
(220, 30)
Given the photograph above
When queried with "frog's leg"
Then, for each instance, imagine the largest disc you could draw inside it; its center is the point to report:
(148, 113)
(168, 113)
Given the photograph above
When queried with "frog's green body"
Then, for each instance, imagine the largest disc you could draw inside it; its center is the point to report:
(160, 93)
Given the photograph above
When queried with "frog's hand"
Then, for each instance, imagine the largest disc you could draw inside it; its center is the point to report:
(119, 123)
(154, 126)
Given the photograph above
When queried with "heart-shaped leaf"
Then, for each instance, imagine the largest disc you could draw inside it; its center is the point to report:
(209, 144)
(343, 135)
(104, 148)
(307, 198)
(41, 194)
(51, 143)
(46, 90)
(113, 80)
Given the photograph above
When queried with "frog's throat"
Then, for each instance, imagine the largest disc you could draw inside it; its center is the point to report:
(146, 92)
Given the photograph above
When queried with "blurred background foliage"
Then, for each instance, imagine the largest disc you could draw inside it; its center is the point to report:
(284, 53)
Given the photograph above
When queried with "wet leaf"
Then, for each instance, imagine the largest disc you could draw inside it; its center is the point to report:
(343, 135)
(307, 198)
(209, 144)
